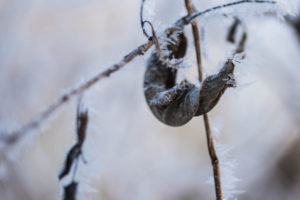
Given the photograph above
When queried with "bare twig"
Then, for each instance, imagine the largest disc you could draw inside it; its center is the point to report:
(14, 136)
(143, 22)
(191, 9)
(210, 142)
(214, 158)
(231, 36)
(35, 123)
(187, 19)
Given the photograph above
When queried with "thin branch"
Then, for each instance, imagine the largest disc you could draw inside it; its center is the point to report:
(36, 122)
(13, 137)
(210, 143)
(190, 8)
(187, 19)
(214, 158)
(143, 22)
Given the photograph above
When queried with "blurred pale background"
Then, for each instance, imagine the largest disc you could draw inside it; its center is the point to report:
(49, 46)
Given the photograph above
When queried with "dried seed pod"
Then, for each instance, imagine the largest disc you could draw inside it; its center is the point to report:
(81, 123)
(176, 104)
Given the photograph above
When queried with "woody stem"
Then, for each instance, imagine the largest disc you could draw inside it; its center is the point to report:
(210, 142)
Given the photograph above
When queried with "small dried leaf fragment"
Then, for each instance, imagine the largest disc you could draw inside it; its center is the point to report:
(82, 121)
(70, 191)
(76, 151)
(72, 156)
(232, 30)
(231, 36)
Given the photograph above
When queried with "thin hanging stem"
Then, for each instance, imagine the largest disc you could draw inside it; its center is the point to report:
(210, 142)
(143, 22)
(187, 19)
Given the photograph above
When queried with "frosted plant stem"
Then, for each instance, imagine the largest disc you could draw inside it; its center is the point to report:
(210, 143)
(36, 122)
(214, 158)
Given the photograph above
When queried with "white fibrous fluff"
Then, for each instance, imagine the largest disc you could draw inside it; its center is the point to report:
(228, 164)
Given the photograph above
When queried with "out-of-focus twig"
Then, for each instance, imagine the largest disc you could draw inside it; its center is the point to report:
(232, 30)
(210, 143)
(295, 22)
(187, 19)
(75, 153)
(190, 8)
(35, 123)
(241, 45)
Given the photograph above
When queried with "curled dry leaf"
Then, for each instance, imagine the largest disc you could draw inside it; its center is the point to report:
(177, 103)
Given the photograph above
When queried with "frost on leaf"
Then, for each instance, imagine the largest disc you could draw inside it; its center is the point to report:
(177, 103)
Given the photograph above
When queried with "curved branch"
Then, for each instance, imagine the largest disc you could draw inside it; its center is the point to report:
(143, 22)
(187, 19)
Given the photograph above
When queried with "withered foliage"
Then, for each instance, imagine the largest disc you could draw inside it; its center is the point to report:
(70, 191)
(232, 30)
(76, 151)
(177, 103)
(231, 35)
